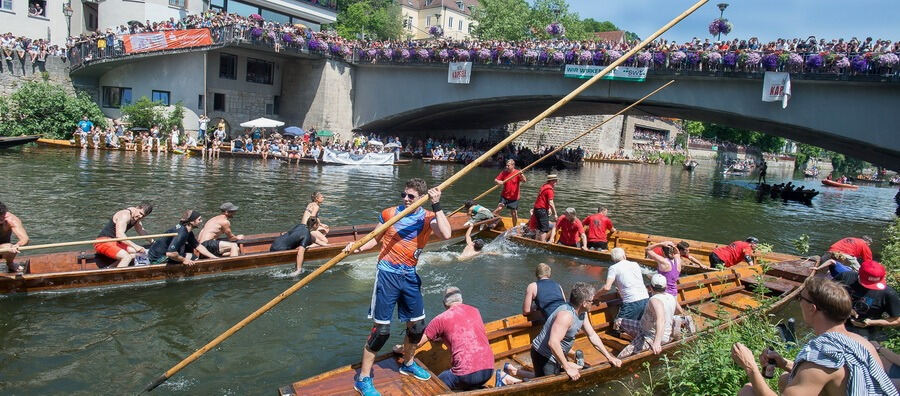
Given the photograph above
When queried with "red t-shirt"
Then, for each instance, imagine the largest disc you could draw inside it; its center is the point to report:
(511, 187)
(544, 197)
(461, 329)
(569, 230)
(855, 247)
(598, 226)
(734, 253)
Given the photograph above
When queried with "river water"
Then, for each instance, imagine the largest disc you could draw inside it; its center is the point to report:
(116, 340)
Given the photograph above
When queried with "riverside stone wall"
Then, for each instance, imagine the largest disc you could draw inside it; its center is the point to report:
(558, 130)
(16, 72)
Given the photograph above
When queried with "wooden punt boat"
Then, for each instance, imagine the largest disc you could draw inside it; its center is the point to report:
(832, 183)
(716, 300)
(12, 141)
(74, 145)
(613, 160)
(634, 244)
(77, 269)
(285, 159)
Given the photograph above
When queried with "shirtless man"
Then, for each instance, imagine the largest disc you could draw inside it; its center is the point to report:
(116, 227)
(473, 247)
(218, 226)
(9, 225)
(313, 208)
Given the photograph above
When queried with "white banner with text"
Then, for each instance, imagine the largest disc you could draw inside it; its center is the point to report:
(620, 73)
(459, 73)
(777, 88)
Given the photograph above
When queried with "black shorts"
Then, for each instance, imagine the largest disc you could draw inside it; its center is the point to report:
(598, 245)
(714, 260)
(543, 219)
(213, 246)
(542, 365)
(511, 205)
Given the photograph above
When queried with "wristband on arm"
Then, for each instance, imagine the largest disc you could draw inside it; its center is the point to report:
(436, 207)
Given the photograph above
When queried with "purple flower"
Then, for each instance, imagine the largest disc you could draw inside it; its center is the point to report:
(287, 38)
(677, 56)
(585, 56)
(859, 63)
(720, 25)
(795, 59)
(346, 52)
(715, 58)
(484, 54)
(256, 17)
(444, 54)
(815, 61)
(570, 56)
(559, 57)
(507, 54)
(530, 55)
(372, 53)
(644, 58)
(730, 59)
(520, 54)
(693, 58)
(436, 31)
(256, 32)
(462, 55)
(299, 41)
(334, 49)
(543, 57)
(555, 29)
(598, 57)
(770, 61)
(842, 63)
(659, 58)
(753, 59)
(422, 54)
(404, 53)
(888, 60)
(613, 55)
(387, 53)
(314, 45)
(271, 35)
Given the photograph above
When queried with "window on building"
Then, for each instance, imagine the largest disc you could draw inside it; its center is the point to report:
(409, 23)
(460, 5)
(270, 109)
(178, 3)
(35, 7)
(6, 4)
(219, 102)
(428, 2)
(460, 25)
(450, 24)
(428, 21)
(162, 97)
(259, 71)
(471, 27)
(241, 8)
(275, 17)
(199, 102)
(228, 66)
(115, 97)
(217, 4)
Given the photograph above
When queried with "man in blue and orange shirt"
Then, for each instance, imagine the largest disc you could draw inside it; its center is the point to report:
(397, 283)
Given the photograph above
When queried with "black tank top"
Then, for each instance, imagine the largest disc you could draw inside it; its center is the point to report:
(109, 230)
(549, 296)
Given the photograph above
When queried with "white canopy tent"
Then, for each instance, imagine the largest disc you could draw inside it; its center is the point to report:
(375, 143)
(262, 123)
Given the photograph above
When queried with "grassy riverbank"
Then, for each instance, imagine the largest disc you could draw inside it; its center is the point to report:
(890, 258)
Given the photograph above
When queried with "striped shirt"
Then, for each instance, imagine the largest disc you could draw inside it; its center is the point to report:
(834, 350)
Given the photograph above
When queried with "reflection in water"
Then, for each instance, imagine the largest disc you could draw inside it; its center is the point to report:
(90, 341)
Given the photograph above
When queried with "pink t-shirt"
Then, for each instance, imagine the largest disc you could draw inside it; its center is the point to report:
(462, 330)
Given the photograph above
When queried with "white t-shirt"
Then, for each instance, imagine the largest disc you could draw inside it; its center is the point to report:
(628, 280)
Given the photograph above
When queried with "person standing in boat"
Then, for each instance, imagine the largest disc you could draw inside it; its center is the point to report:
(116, 227)
(461, 329)
(835, 362)
(733, 253)
(544, 207)
(543, 296)
(629, 281)
(570, 230)
(218, 226)
(599, 226)
(668, 264)
(11, 225)
(397, 283)
(300, 237)
(551, 346)
(312, 210)
(509, 197)
(180, 248)
(762, 172)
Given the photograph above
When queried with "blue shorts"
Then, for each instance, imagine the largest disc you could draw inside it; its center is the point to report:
(401, 289)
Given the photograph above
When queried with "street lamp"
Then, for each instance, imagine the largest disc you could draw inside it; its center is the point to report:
(67, 11)
(722, 7)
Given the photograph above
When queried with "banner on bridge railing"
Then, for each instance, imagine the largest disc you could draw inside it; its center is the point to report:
(620, 73)
(459, 72)
(157, 41)
(777, 88)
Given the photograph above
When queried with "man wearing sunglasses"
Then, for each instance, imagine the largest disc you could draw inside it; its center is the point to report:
(397, 283)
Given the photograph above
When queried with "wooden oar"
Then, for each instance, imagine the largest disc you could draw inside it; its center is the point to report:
(550, 154)
(88, 242)
(415, 205)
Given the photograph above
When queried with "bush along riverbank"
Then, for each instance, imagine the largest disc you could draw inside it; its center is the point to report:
(890, 258)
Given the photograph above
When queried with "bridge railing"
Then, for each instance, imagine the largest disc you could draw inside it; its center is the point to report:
(883, 65)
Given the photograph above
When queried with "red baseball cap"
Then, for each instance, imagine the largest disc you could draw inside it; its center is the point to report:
(871, 275)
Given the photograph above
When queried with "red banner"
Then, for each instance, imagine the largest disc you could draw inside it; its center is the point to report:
(157, 41)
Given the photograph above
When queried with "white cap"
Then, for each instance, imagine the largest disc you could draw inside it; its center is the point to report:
(570, 211)
(658, 282)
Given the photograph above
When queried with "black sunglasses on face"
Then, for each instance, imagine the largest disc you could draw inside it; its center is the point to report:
(800, 297)
(410, 196)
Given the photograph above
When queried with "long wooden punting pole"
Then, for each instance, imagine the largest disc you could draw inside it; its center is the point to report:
(415, 205)
(88, 242)
(562, 146)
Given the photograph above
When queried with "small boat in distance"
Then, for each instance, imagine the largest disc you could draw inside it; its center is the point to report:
(13, 141)
(832, 183)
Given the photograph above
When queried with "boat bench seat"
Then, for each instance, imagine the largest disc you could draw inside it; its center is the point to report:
(772, 283)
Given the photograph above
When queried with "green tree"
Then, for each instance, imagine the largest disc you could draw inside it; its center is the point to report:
(545, 12)
(39, 107)
(502, 20)
(693, 128)
(597, 26)
(373, 18)
(145, 113)
(766, 143)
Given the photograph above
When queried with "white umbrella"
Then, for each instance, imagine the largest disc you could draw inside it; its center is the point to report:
(375, 143)
(262, 123)
(392, 145)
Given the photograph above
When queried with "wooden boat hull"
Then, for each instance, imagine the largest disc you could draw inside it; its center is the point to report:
(612, 160)
(285, 159)
(68, 270)
(832, 183)
(725, 294)
(12, 141)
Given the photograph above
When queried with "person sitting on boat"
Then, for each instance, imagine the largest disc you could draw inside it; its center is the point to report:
(398, 283)
(551, 346)
(599, 226)
(733, 253)
(835, 362)
(509, 197)
(626, 276)
(846, 254)
(542, 296)
(656, 325)
(544, 208)
(476, 212)
(461, 329)
(237, 146)
(300, 237)
(116, 227)
(11, 225)
(218, 226)
(875, 304)
(180, 248)
(668, 263)
(570, 230)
